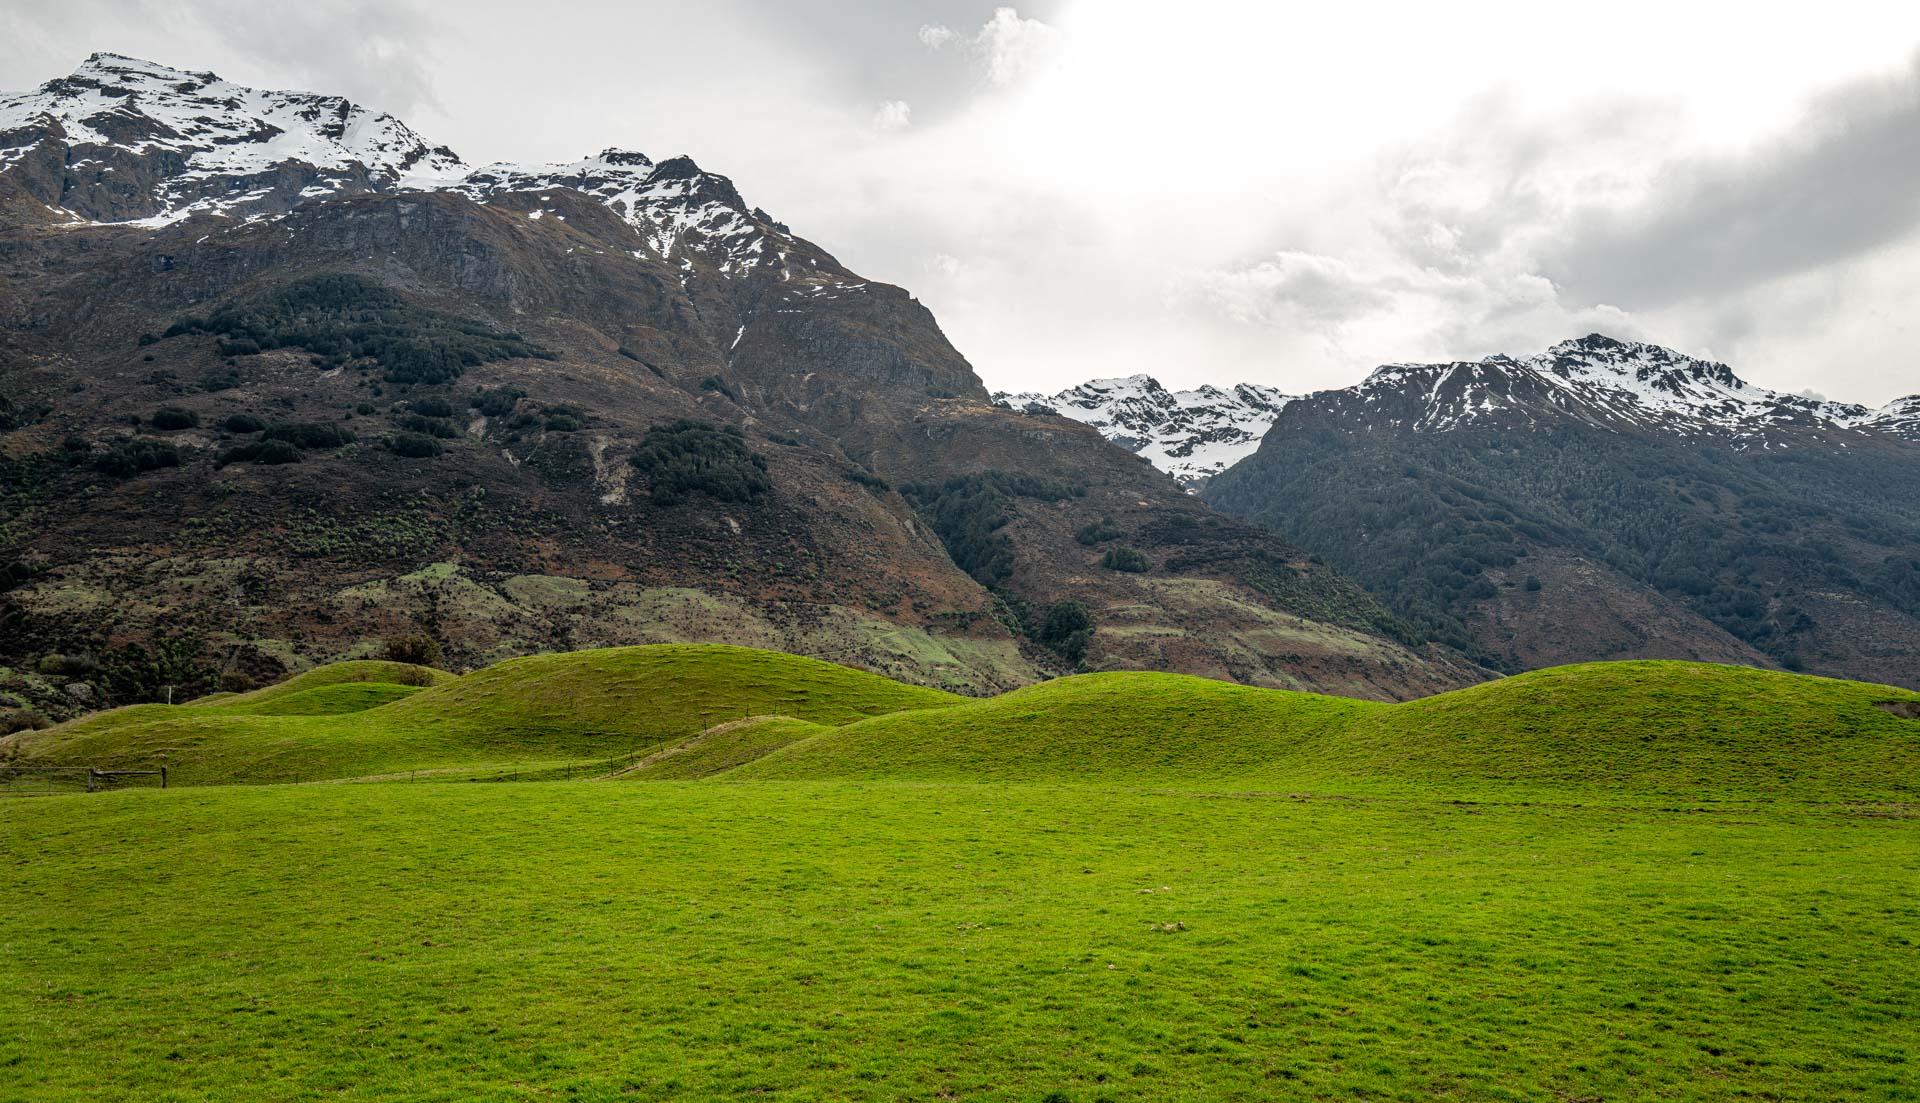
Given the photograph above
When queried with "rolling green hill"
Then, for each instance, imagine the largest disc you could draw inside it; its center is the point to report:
(1100, 727)
(1648, 728)
(544, 709)
(1626, 880)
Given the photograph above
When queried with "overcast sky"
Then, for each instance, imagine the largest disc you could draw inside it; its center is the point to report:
(1202, 190)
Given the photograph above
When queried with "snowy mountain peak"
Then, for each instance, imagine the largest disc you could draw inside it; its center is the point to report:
(1899, 418)
(122, 140)
(1192, 435)
(1595, 378)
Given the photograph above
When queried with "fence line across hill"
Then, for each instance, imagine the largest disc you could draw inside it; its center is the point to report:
(31, 781)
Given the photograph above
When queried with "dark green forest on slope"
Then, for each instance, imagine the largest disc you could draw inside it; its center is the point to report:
(1738, 535)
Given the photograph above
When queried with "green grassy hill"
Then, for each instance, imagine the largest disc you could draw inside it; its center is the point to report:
(1652, 728)
(723, 748)
(1619, 881)
(1099, 727)
(1685, 729)
(356, 671)
(540, 710)
(1640, 729)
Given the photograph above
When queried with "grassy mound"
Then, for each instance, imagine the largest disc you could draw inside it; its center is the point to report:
(1648, 726)
(1634, 730)
(1106, 727)
(333, 700)
(356, 670)
(544, 709)
(722, 748)
(1688, 730)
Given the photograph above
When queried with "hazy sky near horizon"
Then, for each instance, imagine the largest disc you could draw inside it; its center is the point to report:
(1205, 191)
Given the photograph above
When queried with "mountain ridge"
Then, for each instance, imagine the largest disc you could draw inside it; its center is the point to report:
(605, 402)
(1608, 499)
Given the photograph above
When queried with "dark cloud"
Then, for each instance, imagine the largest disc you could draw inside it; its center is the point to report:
(1841, 185)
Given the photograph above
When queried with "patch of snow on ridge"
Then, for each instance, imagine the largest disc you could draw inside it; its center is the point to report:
(1192, 435)
(1899, 418)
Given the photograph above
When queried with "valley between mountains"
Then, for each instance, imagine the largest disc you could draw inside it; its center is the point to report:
(529, 631)
(283, 379)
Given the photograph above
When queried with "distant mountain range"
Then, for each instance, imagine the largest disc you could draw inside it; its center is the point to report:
(1603, 499)
(1609, 499)
(282, 377)
(1191, 435)
(1600, 381)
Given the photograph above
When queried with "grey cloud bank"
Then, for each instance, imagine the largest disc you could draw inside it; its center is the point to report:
(1094, 189)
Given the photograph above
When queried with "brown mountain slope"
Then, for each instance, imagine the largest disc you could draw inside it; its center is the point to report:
(532, 529)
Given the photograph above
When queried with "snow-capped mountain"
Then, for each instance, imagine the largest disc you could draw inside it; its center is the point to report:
(1192, 435)
(1608, 498)
(1899, 418)
(1602, 381)
(123, 140)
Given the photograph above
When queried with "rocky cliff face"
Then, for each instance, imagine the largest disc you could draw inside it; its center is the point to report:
(292, 380)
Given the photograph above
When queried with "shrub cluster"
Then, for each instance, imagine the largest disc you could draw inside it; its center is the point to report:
(311, 435)
(431, 426)
(496, 401)
(128, 458)
(284, 442)
(341, 317)
(1067, 630)
(1099, 532)
(169, 418)
(688, 457)
(1126, 559)
(267, 452)
(968, 511)
(415, 445)
(419, 649)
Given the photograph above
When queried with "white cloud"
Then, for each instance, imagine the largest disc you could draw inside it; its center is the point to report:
(1014, 47)
(1226, 191)
(893, 116)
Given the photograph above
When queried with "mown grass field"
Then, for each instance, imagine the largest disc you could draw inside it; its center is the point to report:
(883, 941)
(1621, 881)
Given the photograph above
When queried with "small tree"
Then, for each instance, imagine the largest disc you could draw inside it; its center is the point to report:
(1126, 559)
(1068, 629)
(418, 649)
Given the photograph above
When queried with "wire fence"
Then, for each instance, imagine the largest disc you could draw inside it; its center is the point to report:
(33, 781)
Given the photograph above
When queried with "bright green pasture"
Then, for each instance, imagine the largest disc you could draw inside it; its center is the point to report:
(867, 941)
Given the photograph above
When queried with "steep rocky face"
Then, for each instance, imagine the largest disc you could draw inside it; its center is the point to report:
(1191, 435)
(291, 424)
(1608, 499)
